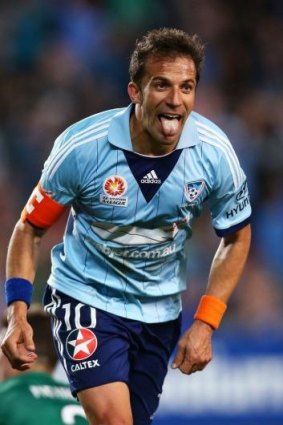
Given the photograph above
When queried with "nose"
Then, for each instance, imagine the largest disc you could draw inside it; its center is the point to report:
(174, 97)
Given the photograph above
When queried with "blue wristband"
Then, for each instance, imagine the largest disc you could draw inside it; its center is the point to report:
(18, 289)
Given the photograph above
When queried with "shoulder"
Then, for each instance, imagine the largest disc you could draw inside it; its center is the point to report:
(217, 147)
(90, 128)
(79, 141)
(212, 137)
(11, 384)
(207, 130)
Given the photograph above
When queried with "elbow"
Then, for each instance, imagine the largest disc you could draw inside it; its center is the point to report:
(26, 229)
(242, 236)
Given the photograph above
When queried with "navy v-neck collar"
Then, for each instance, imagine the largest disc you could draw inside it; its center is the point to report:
(150, 172)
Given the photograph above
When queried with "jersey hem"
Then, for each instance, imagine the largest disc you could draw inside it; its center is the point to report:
(96, 303)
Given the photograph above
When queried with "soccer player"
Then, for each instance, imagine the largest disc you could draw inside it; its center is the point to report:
(34, 396)
(134, 179)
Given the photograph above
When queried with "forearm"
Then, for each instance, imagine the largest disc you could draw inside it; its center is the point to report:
(23, 252)
(228, 264)
(225, 273)
(21, 263)
(194, 347)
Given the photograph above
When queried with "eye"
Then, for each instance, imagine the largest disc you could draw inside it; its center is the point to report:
(160, 85)
(187, 88)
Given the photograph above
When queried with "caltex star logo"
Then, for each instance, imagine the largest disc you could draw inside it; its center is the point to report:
(81, 344)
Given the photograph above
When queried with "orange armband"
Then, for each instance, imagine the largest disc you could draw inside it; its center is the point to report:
(210, 310)
(41, 210)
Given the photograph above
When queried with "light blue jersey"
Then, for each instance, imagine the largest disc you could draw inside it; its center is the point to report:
(124, 245)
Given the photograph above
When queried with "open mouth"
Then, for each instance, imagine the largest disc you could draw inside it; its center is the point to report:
(170, 123)
(167, 116)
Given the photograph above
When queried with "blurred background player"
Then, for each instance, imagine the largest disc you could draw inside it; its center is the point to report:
(34, 396)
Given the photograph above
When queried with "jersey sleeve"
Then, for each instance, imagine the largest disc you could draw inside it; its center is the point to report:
(58, 186)
(230, 201)
(60, 177)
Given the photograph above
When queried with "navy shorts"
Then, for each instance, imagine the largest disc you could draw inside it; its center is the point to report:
(96, 347)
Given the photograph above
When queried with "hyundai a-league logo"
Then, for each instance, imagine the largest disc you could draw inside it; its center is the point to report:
(193, 190)
(81, 344)
(115, 186)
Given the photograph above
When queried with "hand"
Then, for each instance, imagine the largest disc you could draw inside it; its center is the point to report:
(194, 348)
(18, 345)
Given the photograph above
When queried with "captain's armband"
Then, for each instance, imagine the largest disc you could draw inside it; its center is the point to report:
(41, 210)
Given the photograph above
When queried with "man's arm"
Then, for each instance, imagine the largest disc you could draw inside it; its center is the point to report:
(23, 251)
(22, 256)
(194, 348)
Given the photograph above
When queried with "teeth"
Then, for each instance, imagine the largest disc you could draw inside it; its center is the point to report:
(171, 117)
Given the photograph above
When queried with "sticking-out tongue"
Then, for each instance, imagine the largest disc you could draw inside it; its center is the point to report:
(169, 126)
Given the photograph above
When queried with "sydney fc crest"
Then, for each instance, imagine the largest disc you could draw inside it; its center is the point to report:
(193, 190)
(81, 344)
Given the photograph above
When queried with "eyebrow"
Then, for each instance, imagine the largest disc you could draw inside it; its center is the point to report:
(189, 80)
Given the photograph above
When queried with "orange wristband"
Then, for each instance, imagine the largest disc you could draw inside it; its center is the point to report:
(210, 310)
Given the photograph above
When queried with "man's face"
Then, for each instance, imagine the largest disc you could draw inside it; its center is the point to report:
(164, 100)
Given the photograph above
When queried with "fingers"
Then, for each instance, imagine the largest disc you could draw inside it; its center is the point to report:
(18, 347)
(194, 368)
(189, 366)
(194, 361)
(187, 361)
(28, 339)
(192, 357)
(19, 357)
(179, 358)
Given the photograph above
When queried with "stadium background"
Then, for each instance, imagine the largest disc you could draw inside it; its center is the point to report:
(61, 60)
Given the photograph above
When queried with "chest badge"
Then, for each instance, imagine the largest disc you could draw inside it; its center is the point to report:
(193, 190)
(114, 188)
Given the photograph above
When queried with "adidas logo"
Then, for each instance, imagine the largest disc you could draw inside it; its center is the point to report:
(151, 177)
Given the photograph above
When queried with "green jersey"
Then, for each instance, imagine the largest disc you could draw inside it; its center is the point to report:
(35, 398)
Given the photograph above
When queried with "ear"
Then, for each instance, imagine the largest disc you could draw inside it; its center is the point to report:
(134, 92)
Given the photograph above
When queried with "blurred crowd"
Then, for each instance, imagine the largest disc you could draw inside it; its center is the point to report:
(61, 60)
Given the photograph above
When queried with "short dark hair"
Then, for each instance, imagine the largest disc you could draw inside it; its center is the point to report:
(165, 42)
(42, 334)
